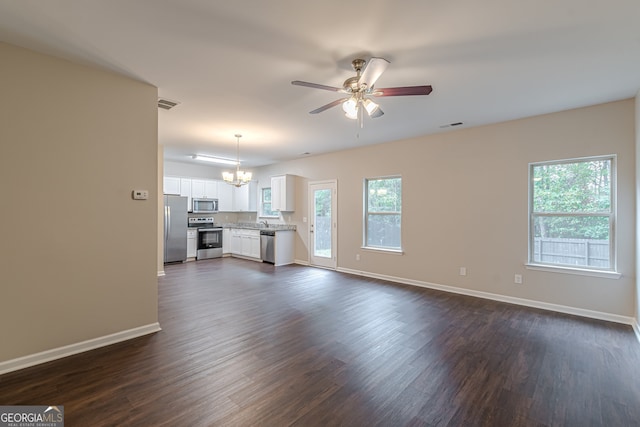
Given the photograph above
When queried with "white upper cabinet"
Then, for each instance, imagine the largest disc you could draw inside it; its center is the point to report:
(171, 185)
(230, 198)
(253, 196)
(197, 188)
(245, 198)
(283, 193)
(211, 189)
(204, 189)
(185, 190)
(225, 197)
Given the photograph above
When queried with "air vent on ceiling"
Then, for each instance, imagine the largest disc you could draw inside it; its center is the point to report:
(451, 125)
(166, 104)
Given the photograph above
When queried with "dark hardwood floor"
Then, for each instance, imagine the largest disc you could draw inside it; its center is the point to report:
(247, 344)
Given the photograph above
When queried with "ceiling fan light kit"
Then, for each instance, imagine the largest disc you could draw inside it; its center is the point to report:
(239, 178)
(350, 107)
(372, 108)
(361, 87)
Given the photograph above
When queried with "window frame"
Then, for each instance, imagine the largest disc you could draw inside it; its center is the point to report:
(611, 271)
(366, 213)
(274, 214)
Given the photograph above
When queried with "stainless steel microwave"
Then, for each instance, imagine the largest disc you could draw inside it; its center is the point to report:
(204, 205)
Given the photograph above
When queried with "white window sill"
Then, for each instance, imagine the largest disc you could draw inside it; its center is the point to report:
(385, 250)
(577, 271)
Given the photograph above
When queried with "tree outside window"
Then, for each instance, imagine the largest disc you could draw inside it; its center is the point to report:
(572, 213)
(383, 213)
(265, 203)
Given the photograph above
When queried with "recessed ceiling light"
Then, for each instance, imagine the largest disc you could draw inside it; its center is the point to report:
(213, 159)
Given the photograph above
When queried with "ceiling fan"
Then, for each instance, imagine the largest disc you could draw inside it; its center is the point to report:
(361, 87)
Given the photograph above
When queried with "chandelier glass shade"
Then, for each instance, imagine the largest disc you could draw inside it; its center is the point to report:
(237, 178)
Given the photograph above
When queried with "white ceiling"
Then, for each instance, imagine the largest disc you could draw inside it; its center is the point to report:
(230, 63)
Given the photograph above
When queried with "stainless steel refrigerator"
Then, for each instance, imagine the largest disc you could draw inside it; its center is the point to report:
(175, 228)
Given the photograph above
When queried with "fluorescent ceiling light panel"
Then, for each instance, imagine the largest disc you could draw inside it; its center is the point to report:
(214, 159)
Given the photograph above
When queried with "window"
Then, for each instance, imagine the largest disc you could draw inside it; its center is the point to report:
(383, 213)
(572, 213)
(265, 203)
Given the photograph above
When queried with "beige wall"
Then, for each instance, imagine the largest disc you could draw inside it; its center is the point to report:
(160, 186)
(77, 254)
(465, 204)
(637, 157)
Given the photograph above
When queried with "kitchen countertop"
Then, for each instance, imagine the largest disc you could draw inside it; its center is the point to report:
(259, 226)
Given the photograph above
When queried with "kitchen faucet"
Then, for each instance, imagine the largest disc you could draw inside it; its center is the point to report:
(266, 224)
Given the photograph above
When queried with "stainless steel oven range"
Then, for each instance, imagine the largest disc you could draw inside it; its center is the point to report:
(209, 238)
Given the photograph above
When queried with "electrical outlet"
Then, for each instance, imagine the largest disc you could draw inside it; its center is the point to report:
(357, 257)
(463, 271)
(517, 279)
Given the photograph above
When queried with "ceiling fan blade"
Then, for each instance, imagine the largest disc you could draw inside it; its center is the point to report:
(402, 91)
(327, 106)
(372, 71)
(316, 86)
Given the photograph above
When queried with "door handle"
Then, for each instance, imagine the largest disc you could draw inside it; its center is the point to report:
(168, 220)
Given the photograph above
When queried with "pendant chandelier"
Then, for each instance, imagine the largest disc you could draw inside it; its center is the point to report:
(239, 178)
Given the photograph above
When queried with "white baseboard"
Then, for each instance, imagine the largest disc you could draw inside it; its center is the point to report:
(68, 350)
(160, 273)
(636, 328)
(301, 262)
(503, 298)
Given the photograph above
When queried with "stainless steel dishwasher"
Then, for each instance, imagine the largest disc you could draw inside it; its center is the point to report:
(268, 246)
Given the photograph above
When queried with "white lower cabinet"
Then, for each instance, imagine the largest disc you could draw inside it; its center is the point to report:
(236, 241)
(251, 245)
(284, 247)
(192, 243)
(226, 241)
(245, 242)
